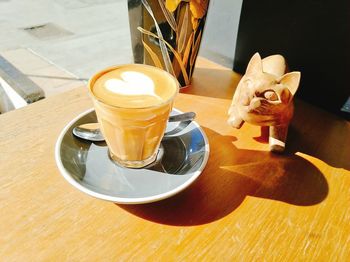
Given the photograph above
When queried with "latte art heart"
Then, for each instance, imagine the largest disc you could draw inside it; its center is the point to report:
(132, 83)
(134, 86)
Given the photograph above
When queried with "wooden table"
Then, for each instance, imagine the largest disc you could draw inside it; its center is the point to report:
(248, 204)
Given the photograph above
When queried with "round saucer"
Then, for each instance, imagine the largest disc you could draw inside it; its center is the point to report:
(87, 166)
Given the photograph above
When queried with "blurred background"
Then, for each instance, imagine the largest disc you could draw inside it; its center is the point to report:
(59, 44)
(56, 45)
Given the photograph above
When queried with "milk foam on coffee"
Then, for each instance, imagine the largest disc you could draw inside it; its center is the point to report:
(134, 86)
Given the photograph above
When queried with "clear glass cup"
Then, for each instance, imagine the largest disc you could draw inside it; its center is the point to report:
(133, 134)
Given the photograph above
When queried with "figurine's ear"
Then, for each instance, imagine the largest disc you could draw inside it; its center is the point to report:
(254, 65)
(291, 80)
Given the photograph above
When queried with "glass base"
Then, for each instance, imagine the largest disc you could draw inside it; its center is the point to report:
(133, 163)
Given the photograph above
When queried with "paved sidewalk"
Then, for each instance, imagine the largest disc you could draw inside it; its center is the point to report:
(85, 35)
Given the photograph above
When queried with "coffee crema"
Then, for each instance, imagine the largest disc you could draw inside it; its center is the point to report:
(134, 86)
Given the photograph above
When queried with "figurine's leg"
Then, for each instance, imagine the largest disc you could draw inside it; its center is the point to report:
(277, 138)
(234, 119)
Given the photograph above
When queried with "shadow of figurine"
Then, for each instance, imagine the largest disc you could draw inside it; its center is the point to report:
(231, 175)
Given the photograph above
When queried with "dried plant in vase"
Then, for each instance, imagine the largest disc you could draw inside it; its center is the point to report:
(171, 32)
(264, 97)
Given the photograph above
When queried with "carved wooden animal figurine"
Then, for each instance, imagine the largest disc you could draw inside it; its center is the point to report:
(264, 97)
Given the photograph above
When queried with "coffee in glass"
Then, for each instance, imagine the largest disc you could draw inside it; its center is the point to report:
(132, 104)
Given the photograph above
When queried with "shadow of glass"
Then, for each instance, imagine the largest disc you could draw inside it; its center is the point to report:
(230, 176)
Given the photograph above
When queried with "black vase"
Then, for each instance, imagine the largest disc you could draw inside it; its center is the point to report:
(167, 34)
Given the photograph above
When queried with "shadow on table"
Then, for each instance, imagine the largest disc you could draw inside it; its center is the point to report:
(233, 174)
(230, 176)
(320, 134)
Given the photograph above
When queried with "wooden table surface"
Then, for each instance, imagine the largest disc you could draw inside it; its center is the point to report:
(248, 204)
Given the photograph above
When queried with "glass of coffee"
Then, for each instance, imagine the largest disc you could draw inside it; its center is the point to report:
(132, 104)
